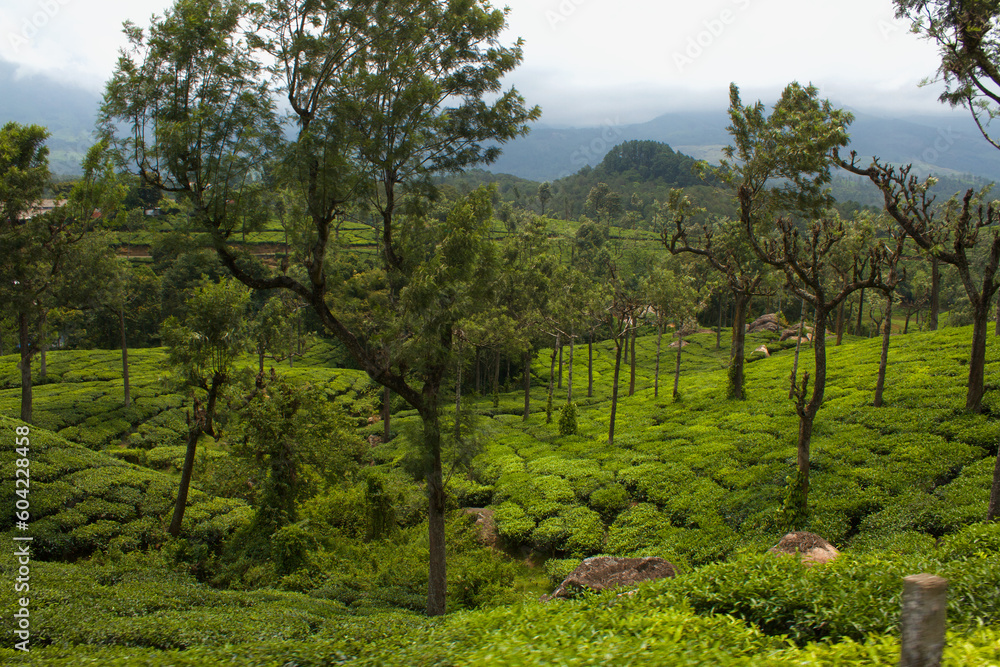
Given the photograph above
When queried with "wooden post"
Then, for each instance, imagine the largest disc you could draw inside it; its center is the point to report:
(925, 609)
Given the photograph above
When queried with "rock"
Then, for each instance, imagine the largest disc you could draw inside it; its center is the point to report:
(486, 527)
(374, 440)
(814, 549)
(768, 322)
(674, 344)
(763, 348)
(603, 572)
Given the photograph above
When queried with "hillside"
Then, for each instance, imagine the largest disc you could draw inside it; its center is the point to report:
(899, 489)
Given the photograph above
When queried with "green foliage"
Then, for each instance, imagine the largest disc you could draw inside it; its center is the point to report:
(567, 419)
(794, 512)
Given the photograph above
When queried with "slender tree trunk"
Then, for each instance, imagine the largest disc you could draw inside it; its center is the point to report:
(996, 333)
(496, 380)
(386, 412)
(656, 373)
(906, 322)
(552, 381)
(202, 423)
(194, 432)
(807, 411)
(631, 377)
(737, 352)
(43, 336)
(718, 329)
(559, 343)
(437, 579)
(569, 371)
(884, 360)
(527, 385)
(619, 344)
(932, 318)
(590, 365)
(125, 379)
(861, 310)
(458, 394)
(677, 365)
(993, 511)
(798, 349)
(22, 319)
(479, 385)
(977, 359)
(840, 323)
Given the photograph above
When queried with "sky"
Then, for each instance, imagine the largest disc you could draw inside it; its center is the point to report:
(594, 62)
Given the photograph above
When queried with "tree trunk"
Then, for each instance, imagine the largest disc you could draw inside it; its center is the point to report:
(977, 359)
(993, 511)
(125, 380)
(43, 341)
(807, 412)
(932, 317)
(559, 343)
(437, 575)
(677, 365)
(718, 329)
(798, 349)
(619, 344)
(997, 332)
(656, 373)
(884, 360)
(25, 368)
(552, 378)
(496, 380)
(861, 310)
(479, 385)
(458, 394)
(840, 323)
(631, 377)
(386, 412)
(906, 322)
(569, 371)
(527, 385)
(203, 423)
(194, 432)
(590, 366)
(737, 352)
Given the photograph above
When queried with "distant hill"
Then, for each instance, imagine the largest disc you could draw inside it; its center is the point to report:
(68, 112)
(942, 145)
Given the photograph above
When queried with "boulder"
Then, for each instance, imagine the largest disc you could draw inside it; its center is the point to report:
(486, 527)
(814, 549)
(763, 348)
(768, 322)
(603, 572)
(792, 333)
(374, 440)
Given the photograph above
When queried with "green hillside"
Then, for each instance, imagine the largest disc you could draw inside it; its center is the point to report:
(899, 489)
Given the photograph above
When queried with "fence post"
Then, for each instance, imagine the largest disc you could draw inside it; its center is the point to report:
(925, 609)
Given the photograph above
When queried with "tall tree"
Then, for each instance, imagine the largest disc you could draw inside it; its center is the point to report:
(203, 346)
(725, 247)
(797, 143)
(964, 224)
(24, 173)
(383, 94)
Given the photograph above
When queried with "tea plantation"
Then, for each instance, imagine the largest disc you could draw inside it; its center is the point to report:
(899, 490)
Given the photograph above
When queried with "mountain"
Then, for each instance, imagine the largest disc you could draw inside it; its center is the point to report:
(939, 144)
(68, 112)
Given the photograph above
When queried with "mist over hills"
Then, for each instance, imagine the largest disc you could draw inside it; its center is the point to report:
(943, 145)
(67, 111)
(939, 144)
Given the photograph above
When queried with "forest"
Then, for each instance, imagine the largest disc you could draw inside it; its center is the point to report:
(287, 379)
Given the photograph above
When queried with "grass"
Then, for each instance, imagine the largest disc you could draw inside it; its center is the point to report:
(900, 489)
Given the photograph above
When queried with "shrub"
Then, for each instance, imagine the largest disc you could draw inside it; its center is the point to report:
(567, 420)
